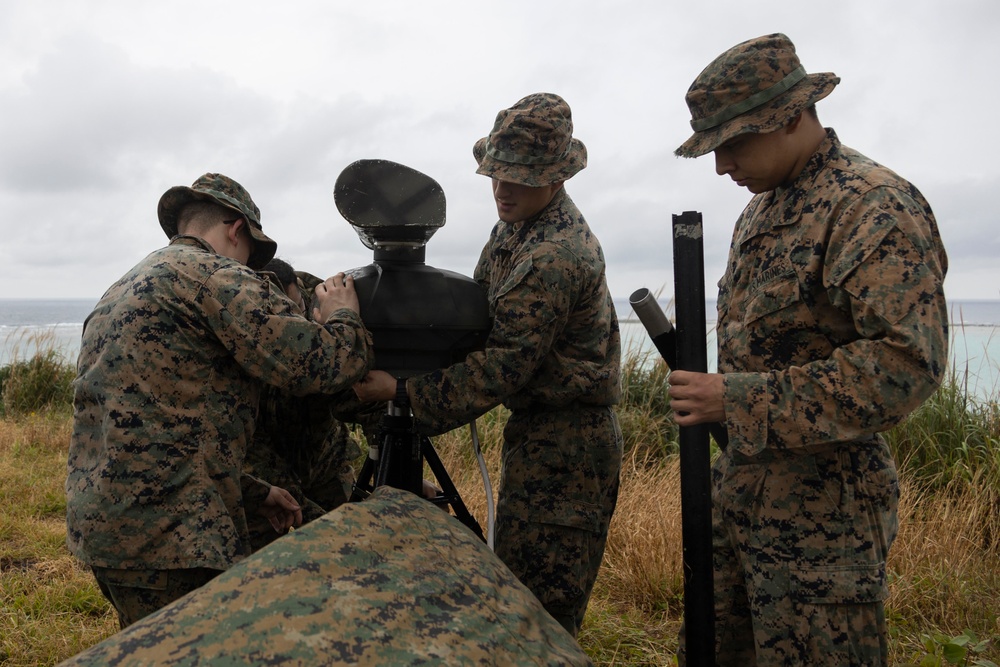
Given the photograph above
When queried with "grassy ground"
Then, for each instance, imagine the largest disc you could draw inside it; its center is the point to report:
(945, 564)
(50, 607)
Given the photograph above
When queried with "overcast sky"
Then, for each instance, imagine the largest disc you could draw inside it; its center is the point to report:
(106, 104)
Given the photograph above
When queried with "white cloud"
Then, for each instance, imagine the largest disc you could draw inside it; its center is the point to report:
(106, 104)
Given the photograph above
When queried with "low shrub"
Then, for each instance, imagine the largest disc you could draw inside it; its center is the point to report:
(44, 381)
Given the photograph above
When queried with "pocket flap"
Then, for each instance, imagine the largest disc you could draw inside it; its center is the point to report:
(772, 297)
(839, 585)
(570, 514)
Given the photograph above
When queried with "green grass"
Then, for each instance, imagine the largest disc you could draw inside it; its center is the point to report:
(50, 607)
(952, 437)
(40, 382)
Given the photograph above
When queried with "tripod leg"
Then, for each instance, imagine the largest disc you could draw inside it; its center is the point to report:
(395, 461)
(449, 495)
(398, 462)
(401, 465)
(373, 467)
(365, 482)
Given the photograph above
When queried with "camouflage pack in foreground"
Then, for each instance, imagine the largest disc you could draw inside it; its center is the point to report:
(392, 580)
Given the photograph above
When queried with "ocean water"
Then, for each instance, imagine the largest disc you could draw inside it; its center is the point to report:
(974, 340)
(26, 324)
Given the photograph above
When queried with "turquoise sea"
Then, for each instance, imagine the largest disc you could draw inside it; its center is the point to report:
(975, 334)
(974, 341)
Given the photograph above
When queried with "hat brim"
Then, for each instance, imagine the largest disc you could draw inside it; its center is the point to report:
(263, 248)
(176, 197)
(763, 119)
(535, 176)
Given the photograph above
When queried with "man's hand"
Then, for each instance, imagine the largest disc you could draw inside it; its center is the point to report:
(697, 398)
(377, 386)
(430, 490)
(334, 293)
(281, 510)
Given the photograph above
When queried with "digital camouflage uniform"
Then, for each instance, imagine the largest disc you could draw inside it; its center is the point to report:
(391, 581)
(171, 364)
(301, 446)
(553, 358)
(832, 327)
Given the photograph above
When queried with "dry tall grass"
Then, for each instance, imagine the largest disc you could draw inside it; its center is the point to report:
(944, 566)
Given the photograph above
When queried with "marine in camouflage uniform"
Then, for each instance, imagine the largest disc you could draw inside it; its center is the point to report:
(171, 364)
(391, 581)
(298, 443)
(832, 327)
(552, 357)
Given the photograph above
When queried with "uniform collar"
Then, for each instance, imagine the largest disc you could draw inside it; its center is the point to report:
(519, 230)
(188, 240)
(826, 152)
(788, 203)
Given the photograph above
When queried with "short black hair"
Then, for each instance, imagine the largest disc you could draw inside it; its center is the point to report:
(282, 269)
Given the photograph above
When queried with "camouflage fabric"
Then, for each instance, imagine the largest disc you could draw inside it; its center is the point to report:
(832, 327)
(265, 463)
(799, 552)
(559, 488)
(755, 87)
(170, 368)
(389, 581)
(532, 143)
(857, 326)
(227, 192)
(136, 594)
(300, 446)
(553, 357)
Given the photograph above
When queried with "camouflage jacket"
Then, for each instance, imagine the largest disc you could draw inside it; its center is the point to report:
(832, 316)
(555, 338)
(170, 368)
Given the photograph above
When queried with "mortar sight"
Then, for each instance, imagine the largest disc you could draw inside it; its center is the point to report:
(421, 318)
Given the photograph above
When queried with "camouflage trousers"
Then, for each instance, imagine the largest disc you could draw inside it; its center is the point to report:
(136, 594)
(558, 490)
(799, 550)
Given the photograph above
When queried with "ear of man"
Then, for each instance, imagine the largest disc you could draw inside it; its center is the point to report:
(234, 231)
(807, 131)
(222, 228)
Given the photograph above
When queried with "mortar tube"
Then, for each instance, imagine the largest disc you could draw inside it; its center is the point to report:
(657, 325)
(664, 337)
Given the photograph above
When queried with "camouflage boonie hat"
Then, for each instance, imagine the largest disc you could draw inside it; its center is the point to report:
(222, 190)
(532, 143)
(753, 88)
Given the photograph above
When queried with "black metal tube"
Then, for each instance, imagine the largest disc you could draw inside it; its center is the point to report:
(696, 490)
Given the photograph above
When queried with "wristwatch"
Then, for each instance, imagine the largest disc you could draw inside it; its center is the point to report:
(402, 399)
